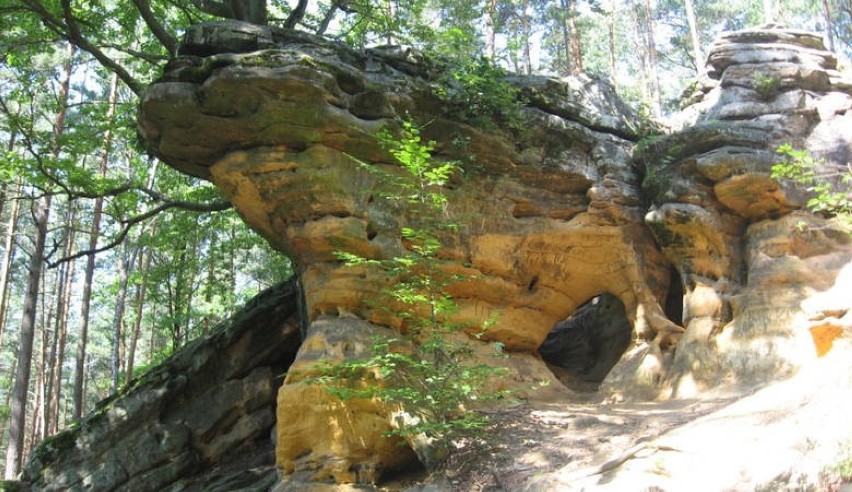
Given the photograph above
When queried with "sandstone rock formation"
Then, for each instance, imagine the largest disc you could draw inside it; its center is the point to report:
(575, 206)
(750, 259)
(550, 217)
(199, 421)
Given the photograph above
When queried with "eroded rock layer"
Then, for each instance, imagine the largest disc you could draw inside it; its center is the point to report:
(749, 257)
(549, 216)
(199, 421)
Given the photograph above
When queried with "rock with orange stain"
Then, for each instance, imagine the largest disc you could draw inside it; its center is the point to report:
(548, 217)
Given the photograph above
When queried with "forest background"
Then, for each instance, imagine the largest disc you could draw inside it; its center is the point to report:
(110, 261)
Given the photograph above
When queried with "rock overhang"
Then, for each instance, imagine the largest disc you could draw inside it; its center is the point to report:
(551, 218)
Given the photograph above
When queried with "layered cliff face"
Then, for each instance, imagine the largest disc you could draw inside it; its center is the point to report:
(755, 267)
(550, 217)
(201, 420)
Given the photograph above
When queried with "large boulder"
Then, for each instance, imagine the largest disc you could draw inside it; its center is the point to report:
(200, 420)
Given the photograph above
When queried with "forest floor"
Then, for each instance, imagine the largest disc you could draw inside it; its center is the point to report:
(790, 435)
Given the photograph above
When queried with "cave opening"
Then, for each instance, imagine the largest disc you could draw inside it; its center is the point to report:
(582, 349)
(674, 299)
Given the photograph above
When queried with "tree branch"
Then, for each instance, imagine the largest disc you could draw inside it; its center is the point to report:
(129, 223)
(148, 57)
(67, 28)
(75, 36)
(296, 15)
(157, 29)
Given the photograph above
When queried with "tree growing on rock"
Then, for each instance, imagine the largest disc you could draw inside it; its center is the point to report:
(429, 376)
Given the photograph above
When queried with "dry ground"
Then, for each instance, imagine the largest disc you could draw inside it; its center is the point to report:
(789, 435)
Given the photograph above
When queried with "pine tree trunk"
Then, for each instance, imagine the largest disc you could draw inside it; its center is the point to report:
(491, 40)
(642, 50)
(768, 11)
(8, 256)
(209, 283)
(7, 403)
(653, 75)
(391, 13)
(37, 431)
(576, 41)
(118, 317)
(61, 331)
(612, 67)
(139, 300)
(526, 32)
(85, 302)
(693, 34)
(20, 390)
(41, 217)
(4, 190)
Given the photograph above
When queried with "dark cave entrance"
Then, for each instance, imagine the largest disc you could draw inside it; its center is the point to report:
(674, 299)
(582, 349)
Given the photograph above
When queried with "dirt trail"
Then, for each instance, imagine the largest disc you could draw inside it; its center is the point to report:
(784, 436)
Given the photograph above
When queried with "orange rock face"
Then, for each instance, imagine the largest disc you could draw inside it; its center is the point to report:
(548, 217)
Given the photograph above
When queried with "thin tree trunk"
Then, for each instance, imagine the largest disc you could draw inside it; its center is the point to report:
(327, 18)
(141, 291)
(209, 283)
(232, 270)
(38, 423)
(653, 76)
(693, 34)
(85, 303)
(526, 28)
(612, 66)
(768, 11)
(190, 285)
(492, 30)
(152, 343)
(6, 403)
(642, 49)
(60, 333)
(391, 8)
(50, 359)
(8, 256)
(59, 299)
(566, 36)
(4, 190)
(125, 259)
(829, 24)
(20, 390)
(41, 217)
(576, 41)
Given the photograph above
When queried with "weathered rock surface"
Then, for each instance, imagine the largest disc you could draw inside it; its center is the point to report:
(586, 346)
(750, 259)
(567, 211)
(549, 218)
(199, 421)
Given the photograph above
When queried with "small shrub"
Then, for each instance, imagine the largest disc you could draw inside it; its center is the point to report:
(429, 375)
(767, 86)
(828, 183)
